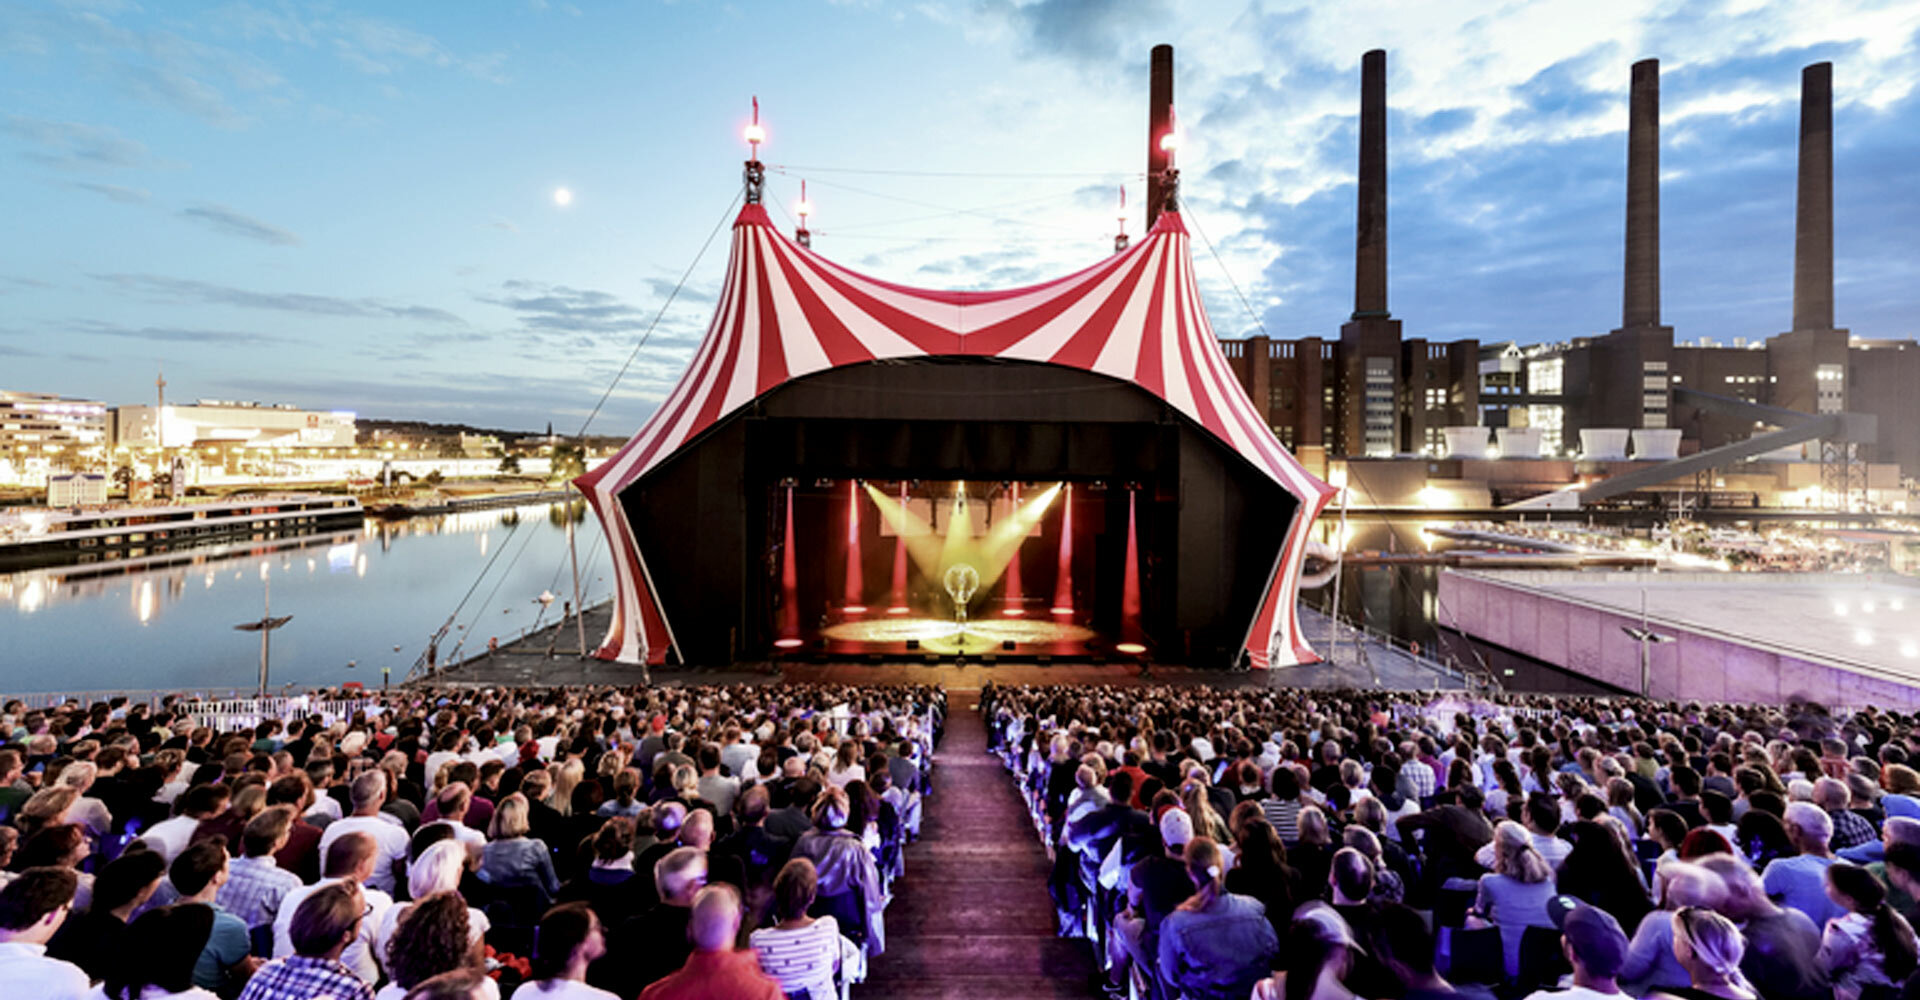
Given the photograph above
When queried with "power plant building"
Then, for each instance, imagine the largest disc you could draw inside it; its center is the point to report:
(1372, 393)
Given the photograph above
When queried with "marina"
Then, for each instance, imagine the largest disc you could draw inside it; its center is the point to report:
(50, 536)
(365, 598)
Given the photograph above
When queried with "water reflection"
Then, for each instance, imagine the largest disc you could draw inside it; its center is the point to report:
(1403, 600)
(357, 594)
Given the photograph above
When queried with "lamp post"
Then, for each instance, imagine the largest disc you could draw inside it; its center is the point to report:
(264, 626)
(1647, 637)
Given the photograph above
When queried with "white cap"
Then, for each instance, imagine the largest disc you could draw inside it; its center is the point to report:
(1176, 827)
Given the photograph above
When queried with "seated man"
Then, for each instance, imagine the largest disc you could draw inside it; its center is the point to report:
(716, 968)
(32, 908)
(324, 924)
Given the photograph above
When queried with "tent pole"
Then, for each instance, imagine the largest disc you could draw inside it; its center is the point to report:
(579, 609)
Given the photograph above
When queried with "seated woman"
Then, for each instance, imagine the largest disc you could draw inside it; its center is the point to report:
(514, 859)
(1651, 963)
(1312, 854)
(1217, 945)
(844, 866)
(1709, 947)
(802, 952)
(433, 938)
(1513, 897)
(438, 870)
(603, 885)
(1871, 945)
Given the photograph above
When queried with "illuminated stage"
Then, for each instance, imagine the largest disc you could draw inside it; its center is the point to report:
(956, 568)
(949, 638)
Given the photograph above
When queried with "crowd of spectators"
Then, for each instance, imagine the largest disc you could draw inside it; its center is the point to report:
(551, 844)
(1217, 844)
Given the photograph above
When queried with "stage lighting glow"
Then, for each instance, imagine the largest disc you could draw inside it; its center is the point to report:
(788, 643)
(897, 610)
(1062, 611)
(1130, 648)
(1014, 612)
(855, 609)
(1863, 637)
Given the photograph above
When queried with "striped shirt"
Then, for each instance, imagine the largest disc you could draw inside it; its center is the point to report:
(1284, 816)
(801, 960)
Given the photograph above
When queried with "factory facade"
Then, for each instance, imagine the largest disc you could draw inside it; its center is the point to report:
(1372, 393)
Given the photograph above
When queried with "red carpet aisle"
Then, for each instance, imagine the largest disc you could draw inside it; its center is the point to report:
(972, 918)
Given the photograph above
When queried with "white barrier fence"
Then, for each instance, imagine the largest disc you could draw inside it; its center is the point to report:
(245, 713)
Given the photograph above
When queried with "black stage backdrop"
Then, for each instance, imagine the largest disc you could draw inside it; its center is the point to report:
(1212, 525)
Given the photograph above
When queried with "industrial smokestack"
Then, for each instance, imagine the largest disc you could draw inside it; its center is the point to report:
(1642, 298)
(1813, 220)
(1159, 122)
(1370, 238)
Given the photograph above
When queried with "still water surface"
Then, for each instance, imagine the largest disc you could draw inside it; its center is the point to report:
(354, 595)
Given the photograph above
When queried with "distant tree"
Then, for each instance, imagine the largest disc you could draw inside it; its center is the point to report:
(569, 461)
(510, 464)
(434, 478)
(123, 476)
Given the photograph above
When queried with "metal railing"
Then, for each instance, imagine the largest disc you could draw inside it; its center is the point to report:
(1341, 629)
(245, 713)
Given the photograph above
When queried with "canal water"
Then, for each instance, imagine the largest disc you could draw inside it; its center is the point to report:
(355, 595)
(1403, 600)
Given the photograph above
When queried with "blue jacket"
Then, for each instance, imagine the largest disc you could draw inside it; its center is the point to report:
(1218, 953)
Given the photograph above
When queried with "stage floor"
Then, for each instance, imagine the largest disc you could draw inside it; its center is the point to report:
(891, 635)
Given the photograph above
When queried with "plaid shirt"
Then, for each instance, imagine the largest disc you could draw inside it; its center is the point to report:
(1421, 776)
(299, 977)
(1850, 829)
(254, 889)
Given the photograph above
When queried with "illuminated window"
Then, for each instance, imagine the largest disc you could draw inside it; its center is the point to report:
(1552, 422)
(1546, 377)
(1378, 410)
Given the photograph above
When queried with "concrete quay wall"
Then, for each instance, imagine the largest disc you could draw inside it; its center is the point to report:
(1703, 664)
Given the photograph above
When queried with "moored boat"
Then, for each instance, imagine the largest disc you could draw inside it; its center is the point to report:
(47, 535)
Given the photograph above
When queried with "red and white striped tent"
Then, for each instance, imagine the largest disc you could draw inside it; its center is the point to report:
(787, 312)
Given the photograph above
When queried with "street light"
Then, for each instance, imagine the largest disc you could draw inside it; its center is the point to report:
(1646, 637)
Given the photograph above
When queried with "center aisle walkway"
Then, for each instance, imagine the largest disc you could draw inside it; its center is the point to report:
(972, 917)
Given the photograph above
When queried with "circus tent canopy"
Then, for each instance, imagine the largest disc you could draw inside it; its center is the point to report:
(786, 312)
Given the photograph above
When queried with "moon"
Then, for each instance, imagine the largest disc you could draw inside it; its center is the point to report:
(562, 197)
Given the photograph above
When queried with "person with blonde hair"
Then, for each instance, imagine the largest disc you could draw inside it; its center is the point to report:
(1312, 854)
(512, 857)
(1206, 821)
(47, 807)
(1651, 962)
(1710, 947)
(1514, 896)
(566, 777)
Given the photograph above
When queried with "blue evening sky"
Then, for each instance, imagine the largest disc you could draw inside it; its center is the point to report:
(351, 205)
